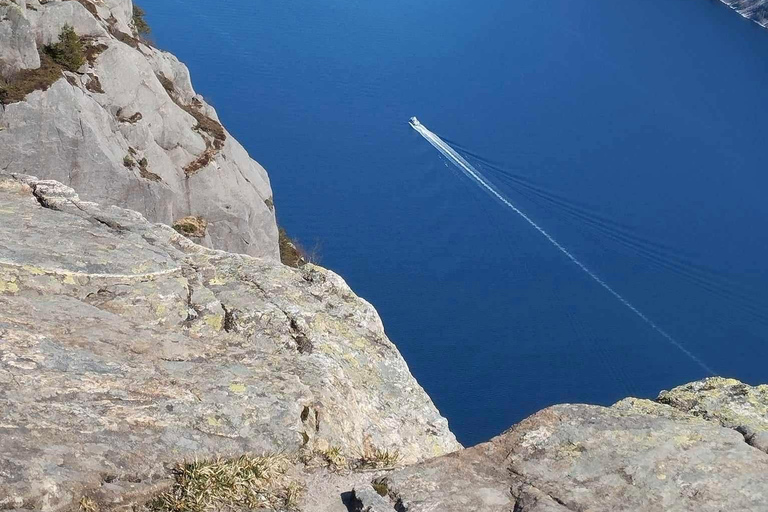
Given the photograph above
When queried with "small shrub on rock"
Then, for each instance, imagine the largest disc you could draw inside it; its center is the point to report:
(139, 22)
(68, 52)
(192, 226)
(29, 80)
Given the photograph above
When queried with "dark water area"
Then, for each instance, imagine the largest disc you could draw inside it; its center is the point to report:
(633, 132)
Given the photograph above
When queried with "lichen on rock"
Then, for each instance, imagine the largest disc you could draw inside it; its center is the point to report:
(125, 348)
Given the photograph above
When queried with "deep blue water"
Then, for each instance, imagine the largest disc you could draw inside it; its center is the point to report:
(634, 132)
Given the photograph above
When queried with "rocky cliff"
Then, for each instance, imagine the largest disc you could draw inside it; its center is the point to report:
(756, 10)
(144, 368)
(125, 128)
(700, 447)
(125, 348)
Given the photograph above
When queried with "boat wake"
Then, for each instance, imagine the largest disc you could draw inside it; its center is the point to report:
(477, 177)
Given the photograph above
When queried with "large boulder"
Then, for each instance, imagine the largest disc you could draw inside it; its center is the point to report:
(636, 455)
(18, 47)
(128, 129)
(126, 348)
(729, 402)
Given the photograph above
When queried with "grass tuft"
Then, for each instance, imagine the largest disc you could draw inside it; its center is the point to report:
(334, 458)
(87, 504)
(192, 226)
(248, 481)
(291, 253)
(381, 487)
(379, 458)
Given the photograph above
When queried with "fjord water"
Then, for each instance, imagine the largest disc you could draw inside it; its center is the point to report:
(632, 131)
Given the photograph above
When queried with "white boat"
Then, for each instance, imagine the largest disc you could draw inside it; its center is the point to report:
(414, 122)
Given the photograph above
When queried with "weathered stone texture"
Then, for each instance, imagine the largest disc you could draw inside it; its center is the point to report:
(125, 348)
(636, 455)
(144, 109)
(729, 402)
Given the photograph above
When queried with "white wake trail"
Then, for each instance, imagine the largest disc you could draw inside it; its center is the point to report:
(478, 178)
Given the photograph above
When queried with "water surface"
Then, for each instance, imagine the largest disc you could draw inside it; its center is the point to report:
(632, 131)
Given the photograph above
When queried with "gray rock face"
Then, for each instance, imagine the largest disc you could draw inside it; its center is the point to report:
(729, 402)
(636, 455)
(755, 10)
(18, 48)
(128, 128)
(125, 348)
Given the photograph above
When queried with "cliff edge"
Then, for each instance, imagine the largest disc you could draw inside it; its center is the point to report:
(185, 369)
(125, 348)
(700, 447)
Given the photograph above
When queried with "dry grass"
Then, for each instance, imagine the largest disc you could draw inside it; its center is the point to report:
(379, 458)
(291, 253)
(205, 125)
(90, 7)
(191, 226)
(87, 504)
(94, 84)
(91, 49)
(245, 482)
(29, 80)
(145, 173)
(334, 457)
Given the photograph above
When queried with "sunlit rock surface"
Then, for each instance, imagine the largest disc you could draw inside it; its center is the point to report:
(636, 455)
(127, 128)
(125, 348)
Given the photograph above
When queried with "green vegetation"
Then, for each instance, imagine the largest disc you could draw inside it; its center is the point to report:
(88, 505)
(246, 482)
(205, 125)
(139, 22)
(334, 458)
(291, 253)
(194, 226)
(68, 52)
(29, 80)
(379, 458)
(381, 488)
(128, 161)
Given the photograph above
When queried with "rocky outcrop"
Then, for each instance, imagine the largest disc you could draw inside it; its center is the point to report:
(126, 348)
(755, 10)
(127, 128)
(729, 402)
(635, 455)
